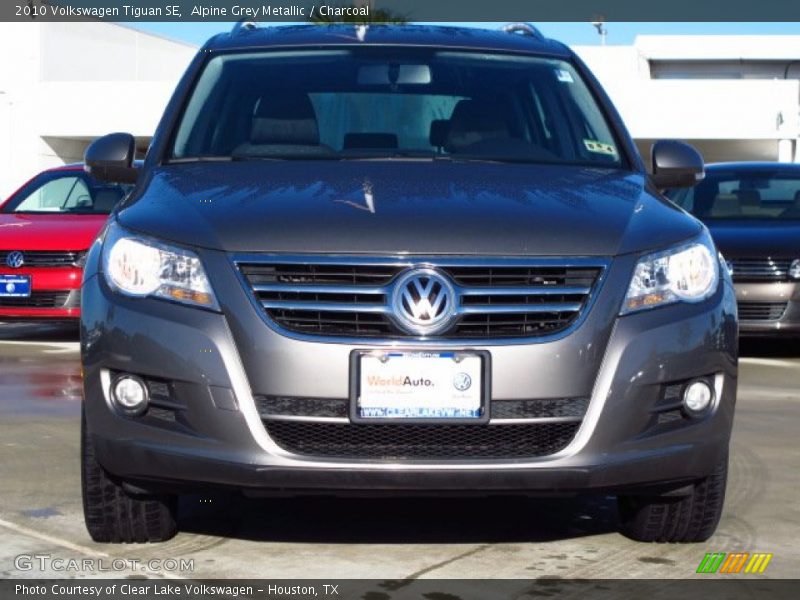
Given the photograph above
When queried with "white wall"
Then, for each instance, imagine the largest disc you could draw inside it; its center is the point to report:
(698, 109)
(106, 52)
(63, 84)
(706, 88)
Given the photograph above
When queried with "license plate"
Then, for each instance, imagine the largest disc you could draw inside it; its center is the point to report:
(419, 386)
(15, 286)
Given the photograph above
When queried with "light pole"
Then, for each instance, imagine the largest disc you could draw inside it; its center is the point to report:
(601, 31)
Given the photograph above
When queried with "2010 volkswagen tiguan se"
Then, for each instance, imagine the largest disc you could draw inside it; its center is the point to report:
(402, 258)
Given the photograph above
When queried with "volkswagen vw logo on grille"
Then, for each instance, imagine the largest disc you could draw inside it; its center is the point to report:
(423, 301)
(15, 259)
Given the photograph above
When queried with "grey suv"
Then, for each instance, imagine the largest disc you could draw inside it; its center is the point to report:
(402, 258)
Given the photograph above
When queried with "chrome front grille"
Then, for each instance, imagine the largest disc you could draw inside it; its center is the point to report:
(351, 297)
(45, 258)
(760, 269)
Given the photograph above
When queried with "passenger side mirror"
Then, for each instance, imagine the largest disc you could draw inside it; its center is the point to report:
(676, 165)
(110, 158)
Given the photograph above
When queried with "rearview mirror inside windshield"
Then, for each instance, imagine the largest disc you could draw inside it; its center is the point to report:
(393, 74)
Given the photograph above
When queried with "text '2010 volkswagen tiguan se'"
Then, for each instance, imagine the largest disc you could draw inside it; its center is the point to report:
(402, 258)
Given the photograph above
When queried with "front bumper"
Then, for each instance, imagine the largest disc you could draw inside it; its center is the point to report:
(768, 309)
(216, 363)
(55, 295)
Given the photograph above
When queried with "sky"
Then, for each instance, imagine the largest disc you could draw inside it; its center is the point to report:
(569, 33)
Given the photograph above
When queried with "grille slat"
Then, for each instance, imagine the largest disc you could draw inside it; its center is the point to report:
(37, 300)
(421, 442)
(41, 258)
(761, 311)
(534, 408)
(760, 269)
(352, 298)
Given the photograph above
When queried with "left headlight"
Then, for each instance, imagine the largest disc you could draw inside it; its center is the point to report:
(139, 267)
(686, 273)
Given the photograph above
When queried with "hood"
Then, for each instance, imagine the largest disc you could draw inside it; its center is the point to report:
(417, 207)
(744, 238)
(48, 232)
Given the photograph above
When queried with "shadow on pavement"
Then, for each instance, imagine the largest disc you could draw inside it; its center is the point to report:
(440, 520)
(37, 331)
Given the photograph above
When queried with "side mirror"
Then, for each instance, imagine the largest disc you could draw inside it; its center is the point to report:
(110, 158)
(676, 165)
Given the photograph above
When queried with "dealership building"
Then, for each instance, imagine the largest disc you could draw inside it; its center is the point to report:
(63, 84)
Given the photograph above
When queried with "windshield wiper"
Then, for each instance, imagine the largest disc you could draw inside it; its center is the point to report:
(422, 156)
(193, 159)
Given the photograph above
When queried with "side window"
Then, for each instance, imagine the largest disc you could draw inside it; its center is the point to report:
(683, 198)
(53, 195)
(79, 195)
(728, 188)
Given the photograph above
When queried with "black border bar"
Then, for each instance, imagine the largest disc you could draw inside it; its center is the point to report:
(404, 10)
(718, 587)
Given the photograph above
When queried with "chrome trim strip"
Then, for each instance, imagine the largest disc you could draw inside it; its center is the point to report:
(304, 418)
(471, 309)
(300, 288)
(316, 288)
(346, 421)
(326, 306)
(493, 309)
(403, 260)
(534, 420)
(550, 290)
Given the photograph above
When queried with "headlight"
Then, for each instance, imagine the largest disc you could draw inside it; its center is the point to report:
(137, 266)
(687, 273)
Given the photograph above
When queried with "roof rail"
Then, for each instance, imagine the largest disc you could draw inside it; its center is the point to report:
(243, 25)
(523, 29)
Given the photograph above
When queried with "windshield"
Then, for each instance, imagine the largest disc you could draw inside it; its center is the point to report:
(66, 192)
(372, 103)
(742, 195)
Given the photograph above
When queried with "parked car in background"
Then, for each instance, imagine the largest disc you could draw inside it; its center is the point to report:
(753, 212)
(46, 228)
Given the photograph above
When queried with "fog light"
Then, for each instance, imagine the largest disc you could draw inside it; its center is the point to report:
(130, 394)
(697, 397)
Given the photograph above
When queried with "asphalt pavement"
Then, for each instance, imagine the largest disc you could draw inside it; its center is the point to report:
(397, 540)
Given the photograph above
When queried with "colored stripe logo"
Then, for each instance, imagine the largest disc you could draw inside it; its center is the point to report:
(735, 562)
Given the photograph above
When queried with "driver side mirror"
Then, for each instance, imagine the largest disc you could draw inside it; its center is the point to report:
(676, 165)
(110, 158)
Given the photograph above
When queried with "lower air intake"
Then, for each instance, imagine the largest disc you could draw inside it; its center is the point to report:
(420, 442)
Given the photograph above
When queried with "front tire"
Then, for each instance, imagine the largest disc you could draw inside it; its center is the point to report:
(114, 516)
(685, 519)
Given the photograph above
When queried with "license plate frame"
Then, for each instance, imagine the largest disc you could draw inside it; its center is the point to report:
(484, 387)
(14, 280)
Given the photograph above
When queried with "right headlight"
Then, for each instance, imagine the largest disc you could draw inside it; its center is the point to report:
(138, 266)
(686, 273)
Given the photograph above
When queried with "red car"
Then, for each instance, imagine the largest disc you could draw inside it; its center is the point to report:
(46, 228)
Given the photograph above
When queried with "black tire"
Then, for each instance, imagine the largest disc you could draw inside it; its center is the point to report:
(114, 516)
(683, 519)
